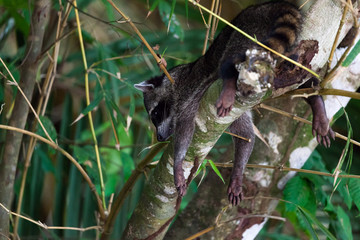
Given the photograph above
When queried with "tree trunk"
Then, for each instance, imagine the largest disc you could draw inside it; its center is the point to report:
(28, 73)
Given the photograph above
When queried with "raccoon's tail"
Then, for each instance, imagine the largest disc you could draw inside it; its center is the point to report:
(286, 29)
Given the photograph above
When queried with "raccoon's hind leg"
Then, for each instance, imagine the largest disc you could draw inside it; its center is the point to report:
(242, 127)
(320, 124)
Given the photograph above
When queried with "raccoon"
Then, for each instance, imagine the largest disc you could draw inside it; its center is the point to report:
(172, 107)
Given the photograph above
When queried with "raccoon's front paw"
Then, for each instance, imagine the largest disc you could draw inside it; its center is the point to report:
(234, 191)
(321, 130)
(180, 182)
(226, 99)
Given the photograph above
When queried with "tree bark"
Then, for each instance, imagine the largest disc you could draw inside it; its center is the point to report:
(159, 204)
(28, 73)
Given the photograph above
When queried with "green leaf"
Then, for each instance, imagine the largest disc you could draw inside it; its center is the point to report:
(347, 146)
(216, 170)
(352, 55)
(202, 166)
(86, 157)
(132, 105)
(311, 202)
(354, 189)
(313, 221)
(170, 20)
(49, 126)
(344, 192)
(111, 106)
(338, 114)
(83, 154)
(297, 192)
(172, 10)
(46, 163)
(306, 224)
(128, 164)
(329, 207)
(89, 108)
(154, 5)
(88, 38)
(342, 224)
(21, 23)
(92, 104)
(109, 10)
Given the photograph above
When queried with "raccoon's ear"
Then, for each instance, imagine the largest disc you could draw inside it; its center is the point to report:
(144, 86)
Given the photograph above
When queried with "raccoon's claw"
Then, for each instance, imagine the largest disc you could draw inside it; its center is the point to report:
(180, 183)
(321, 130)
(234, 191)
(324, 139)
(181, 190)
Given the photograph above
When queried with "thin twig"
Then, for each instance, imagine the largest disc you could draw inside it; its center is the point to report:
(307, 92)
(216, 20)
(342, 21)
(13, 82)
(285, 169)
(330, 76)
(237, 136)
(261, 105)
(136, 30)
(208, 28)
(43, 225)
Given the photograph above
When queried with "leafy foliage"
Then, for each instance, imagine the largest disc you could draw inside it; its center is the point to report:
(352, 55)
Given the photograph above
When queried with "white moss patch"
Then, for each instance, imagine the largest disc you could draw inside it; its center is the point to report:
(205, 148)
(263, 177)
(201, 123)
(274, 140)
(162, 198)
(187, 168)
(170, 168)
(169, 190)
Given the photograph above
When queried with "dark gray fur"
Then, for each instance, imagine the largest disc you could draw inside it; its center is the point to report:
(180, 101)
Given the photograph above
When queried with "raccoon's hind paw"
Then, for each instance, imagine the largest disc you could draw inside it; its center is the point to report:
(321, 130)
(234, 191)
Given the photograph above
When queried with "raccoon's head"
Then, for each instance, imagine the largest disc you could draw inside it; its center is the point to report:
(159, 103)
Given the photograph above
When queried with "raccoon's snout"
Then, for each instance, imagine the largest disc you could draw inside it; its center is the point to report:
(164, 130)
(162, 138)
(163, 134)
